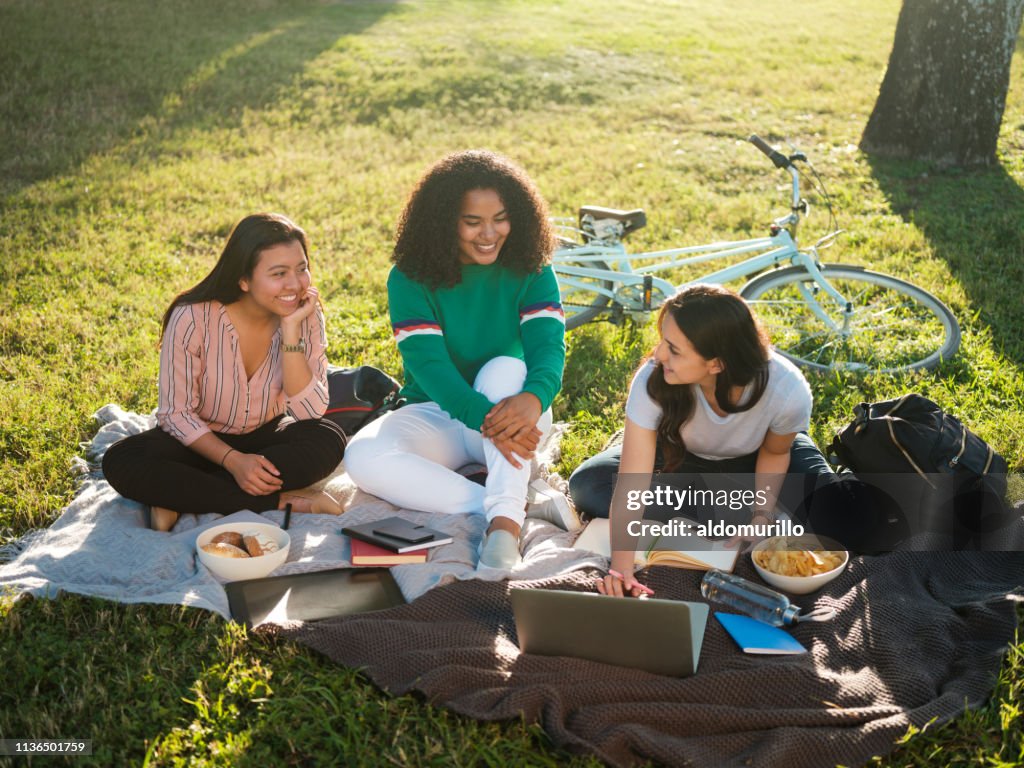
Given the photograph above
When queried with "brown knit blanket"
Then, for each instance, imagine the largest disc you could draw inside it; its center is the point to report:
(918, 636)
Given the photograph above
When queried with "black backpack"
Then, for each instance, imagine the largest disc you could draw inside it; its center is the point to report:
(359, 395)
(951, 478)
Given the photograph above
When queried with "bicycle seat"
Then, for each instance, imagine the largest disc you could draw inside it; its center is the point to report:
(630, 220)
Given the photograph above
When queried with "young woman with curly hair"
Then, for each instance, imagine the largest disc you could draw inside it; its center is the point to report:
(475, 310)
(243, 384)
(713, 397)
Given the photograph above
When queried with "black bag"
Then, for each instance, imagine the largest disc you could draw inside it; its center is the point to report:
(359, 395)
(913, 434)
(956, 479)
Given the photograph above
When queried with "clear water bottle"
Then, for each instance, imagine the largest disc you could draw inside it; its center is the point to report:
(755, 600)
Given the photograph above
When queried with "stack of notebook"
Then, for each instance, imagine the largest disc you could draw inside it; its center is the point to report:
(365, 553)
(392, 541)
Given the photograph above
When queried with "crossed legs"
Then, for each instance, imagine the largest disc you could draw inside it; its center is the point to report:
(156, 469)
(424, 446)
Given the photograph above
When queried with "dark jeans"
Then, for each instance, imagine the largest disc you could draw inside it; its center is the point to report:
(593, 483)
(826, 503)
(156, 469)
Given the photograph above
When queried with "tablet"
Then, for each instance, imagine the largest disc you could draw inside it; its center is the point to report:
(312, 596)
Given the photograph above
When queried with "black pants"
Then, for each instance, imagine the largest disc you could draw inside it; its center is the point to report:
(156, 469)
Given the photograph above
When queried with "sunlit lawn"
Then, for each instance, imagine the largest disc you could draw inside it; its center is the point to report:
(133, 135)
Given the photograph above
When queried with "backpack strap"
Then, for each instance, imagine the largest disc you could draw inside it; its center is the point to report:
(988, 464)
(889, 421)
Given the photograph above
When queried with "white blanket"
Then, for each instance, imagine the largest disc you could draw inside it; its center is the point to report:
(101, 546)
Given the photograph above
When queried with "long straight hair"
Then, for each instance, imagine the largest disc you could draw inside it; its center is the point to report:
(719, 324)
(250, 237)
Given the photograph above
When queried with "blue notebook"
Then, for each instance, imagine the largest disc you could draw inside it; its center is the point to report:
(755, 636)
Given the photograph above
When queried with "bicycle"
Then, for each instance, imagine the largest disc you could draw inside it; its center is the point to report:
(823, 316)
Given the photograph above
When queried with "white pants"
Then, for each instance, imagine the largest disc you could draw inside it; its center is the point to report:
(408, 457)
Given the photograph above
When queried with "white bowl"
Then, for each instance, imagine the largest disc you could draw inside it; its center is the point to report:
(800, 585)
(241, 568)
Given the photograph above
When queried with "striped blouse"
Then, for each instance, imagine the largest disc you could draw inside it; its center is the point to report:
(203, 386)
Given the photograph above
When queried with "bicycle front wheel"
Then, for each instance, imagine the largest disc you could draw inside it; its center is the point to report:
(889, 326)
(581, 303)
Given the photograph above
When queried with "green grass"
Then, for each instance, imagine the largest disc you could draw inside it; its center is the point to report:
(133, 135)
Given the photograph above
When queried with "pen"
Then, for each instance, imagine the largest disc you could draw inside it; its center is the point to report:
(287, 516)
(642, 587)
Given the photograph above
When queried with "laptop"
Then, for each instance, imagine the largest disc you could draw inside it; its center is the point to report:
(660, 636)
(312, 596)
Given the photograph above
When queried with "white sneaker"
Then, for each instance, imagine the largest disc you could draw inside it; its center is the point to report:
(499, 549)
(545, 503)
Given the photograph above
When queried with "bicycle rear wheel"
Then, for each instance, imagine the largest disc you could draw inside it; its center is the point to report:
(894, 325)
(580, 301)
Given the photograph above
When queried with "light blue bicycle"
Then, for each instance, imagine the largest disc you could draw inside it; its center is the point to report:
(822, 316)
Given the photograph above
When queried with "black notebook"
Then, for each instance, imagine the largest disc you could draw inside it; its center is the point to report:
(397, 534)
(312, 596)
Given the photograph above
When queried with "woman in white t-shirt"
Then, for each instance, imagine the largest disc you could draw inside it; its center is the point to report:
(712, 398)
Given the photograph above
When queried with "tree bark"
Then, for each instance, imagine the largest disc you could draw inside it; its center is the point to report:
(944, 92)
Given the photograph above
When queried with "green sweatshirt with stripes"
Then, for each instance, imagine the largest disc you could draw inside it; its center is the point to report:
(446, 335)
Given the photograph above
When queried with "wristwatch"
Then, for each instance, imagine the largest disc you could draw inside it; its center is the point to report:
(300, 347)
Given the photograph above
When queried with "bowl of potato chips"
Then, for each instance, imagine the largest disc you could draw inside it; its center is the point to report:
(799, 564)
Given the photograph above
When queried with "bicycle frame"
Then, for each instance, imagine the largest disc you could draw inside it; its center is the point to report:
(887, 324)
(778, 248)
(623, 273)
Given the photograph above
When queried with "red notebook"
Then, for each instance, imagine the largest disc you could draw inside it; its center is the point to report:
(364, 553)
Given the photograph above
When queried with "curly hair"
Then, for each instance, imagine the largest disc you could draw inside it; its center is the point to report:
(426, 247)
(719, 324)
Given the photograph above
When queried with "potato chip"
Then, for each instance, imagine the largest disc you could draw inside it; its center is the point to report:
(798, 562)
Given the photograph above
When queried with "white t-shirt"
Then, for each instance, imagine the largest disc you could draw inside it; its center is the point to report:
(784, 407)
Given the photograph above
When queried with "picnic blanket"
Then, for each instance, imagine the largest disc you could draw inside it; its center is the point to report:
(101, 545)
(918, 636)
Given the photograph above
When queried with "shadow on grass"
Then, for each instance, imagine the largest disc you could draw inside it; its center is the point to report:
(79, 77)
(973, 221)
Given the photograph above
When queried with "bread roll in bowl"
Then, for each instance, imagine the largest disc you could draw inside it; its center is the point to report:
(234, 538)
(242, 568)
(223, 549)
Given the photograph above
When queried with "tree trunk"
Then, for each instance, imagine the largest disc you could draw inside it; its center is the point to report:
(944, 91)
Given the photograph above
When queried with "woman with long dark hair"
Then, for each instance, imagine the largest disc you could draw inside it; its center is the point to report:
(713, 397)
(243, 384)
(476, 315)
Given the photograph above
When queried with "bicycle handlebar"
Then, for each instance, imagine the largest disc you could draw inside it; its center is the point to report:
(780, 160)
